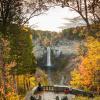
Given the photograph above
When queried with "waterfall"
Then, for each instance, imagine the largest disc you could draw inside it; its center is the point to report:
(49, 56)
(62, 80)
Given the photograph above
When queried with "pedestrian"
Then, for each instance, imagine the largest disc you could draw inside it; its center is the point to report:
(39, 87)
(32, 98)
(66, 91)
(64, 98)
(57, 98)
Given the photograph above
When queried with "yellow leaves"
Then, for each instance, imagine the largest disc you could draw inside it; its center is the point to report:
(76, 77)
(26, 78)
(93, 44)
(93, 55)
(12, 97)
(84, 75)
(32, 81)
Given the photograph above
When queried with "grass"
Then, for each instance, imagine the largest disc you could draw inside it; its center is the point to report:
(86, 98)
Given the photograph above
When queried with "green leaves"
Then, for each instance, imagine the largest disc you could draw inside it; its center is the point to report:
(21, 52)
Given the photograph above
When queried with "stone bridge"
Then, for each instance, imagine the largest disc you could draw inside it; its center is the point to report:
(55, 92)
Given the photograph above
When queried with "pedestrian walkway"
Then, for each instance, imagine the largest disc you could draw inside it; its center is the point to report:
(50, 96)
(55, 92)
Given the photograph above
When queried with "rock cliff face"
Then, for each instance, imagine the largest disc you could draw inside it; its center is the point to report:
(66, 47)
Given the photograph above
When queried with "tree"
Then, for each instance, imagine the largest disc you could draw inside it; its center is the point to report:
(15, 12)
(4, 61)
(19, 11)
(21, 51)
(94, 7)
(80, 6)
(89, 67)
(87, 9)
(10, 11)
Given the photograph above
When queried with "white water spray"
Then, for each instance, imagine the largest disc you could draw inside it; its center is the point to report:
(49, 56)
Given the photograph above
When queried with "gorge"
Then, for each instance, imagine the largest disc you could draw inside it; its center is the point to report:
(57, 59)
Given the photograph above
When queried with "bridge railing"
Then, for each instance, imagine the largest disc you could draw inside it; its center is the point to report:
(48, 88)
(62, 89)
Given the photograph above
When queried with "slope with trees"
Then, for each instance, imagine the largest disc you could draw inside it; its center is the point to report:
(86, 75)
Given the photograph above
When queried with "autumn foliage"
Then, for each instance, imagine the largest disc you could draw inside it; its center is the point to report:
(87, 74)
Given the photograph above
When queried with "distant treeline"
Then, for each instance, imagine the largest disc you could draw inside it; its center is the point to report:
(77, 33)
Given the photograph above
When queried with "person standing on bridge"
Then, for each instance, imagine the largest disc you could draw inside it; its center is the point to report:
(66, 91)
(39, 87)
(32, 98)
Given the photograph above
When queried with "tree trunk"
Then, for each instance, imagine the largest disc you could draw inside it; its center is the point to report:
(24, 83)
(88, 25)
(3, 69)
(15, 84)
(17, 78)
(4, 81)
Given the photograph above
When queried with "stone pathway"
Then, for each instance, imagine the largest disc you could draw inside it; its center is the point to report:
(49, 96)
(28, 95)
(52, 96)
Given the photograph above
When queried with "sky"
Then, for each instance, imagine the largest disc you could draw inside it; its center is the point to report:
(53, 19)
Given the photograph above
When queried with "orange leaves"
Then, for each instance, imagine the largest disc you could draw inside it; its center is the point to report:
(11, 64)
(1, 90)
(90, 63)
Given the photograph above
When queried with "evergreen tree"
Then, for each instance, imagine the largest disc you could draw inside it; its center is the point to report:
(21, 52)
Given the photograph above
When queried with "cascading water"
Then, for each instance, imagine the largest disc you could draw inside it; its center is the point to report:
(49, 56)
(62, 80)
(49, 64)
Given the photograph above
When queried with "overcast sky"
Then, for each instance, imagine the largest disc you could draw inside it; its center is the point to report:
(53, 19)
